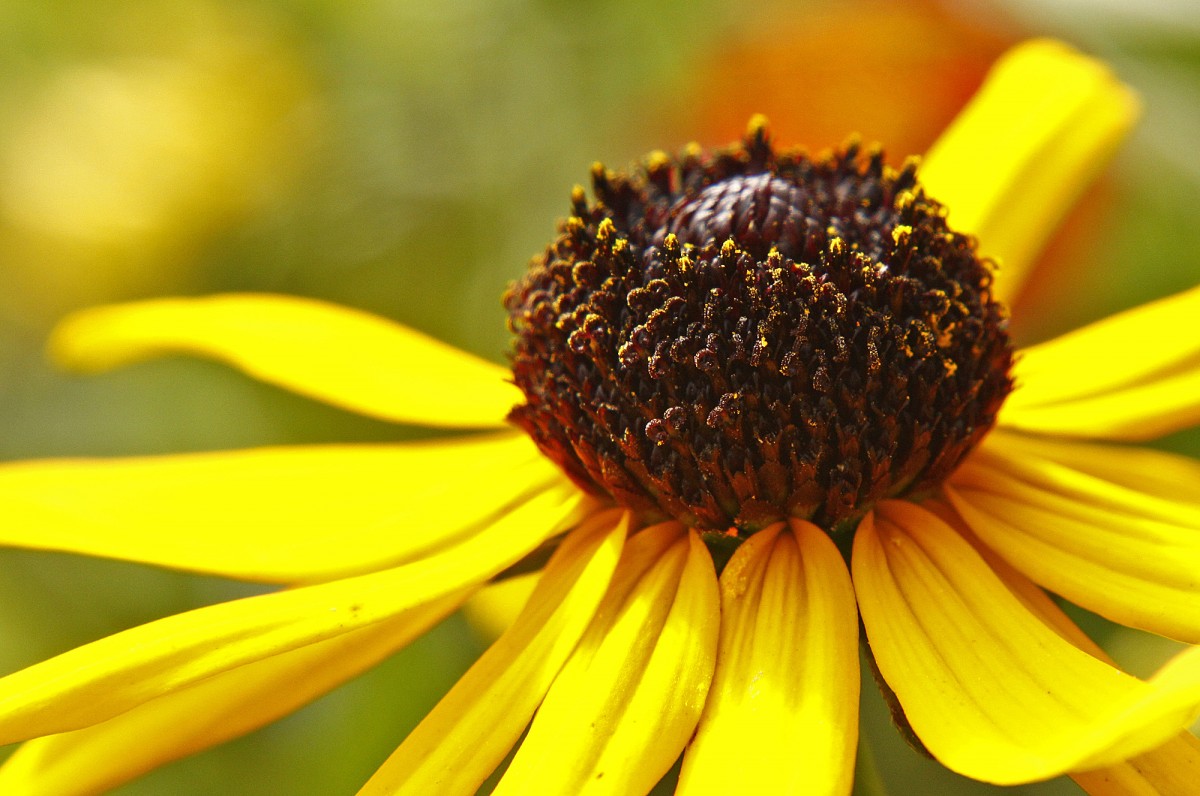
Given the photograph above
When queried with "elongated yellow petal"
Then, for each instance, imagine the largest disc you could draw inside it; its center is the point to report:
(1129, 348)
(626, 702)
(338, 355)
(991, 690)
(465, 737)
(103, 756)
(784, 700)
(277, 515)
(103, 679)
(1037, 133)
(1166, 770)
(1139, 412)
(1133, 375)
(1165, 476)
(1131, 557)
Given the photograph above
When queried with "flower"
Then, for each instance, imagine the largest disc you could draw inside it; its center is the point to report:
(631, 651)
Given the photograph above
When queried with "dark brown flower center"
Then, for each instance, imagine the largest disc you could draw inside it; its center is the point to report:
(735, 339)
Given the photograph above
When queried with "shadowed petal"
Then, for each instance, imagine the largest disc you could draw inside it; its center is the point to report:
(338, 355)
(1131, 557)
(621, 710)
(1043, 125)
(103, 756)
(277, 515)
(475, 725)
(784, 700)
(990, 690)
(1134, 375)
(103, 679)
(494, 608)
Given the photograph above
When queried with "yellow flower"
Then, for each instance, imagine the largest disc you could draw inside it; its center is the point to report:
(631, 650)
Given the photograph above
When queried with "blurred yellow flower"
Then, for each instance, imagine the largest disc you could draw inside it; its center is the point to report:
(632, 650)
(120, 165)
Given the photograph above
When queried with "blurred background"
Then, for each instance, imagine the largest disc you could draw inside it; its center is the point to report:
(408, 158)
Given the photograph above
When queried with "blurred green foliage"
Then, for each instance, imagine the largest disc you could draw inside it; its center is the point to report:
(407, 158)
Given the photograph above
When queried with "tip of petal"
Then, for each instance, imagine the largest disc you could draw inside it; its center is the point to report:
(73, 343)
(1039, 130)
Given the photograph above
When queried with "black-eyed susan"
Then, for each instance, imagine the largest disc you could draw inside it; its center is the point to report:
(792, 371)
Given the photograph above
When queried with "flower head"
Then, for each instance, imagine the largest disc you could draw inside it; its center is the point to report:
(791, 370)
(737, 340)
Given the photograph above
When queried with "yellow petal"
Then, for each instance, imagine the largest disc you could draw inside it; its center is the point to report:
(1043, 125)
(1166, 476)
(992, 691)
(338, 355)
(626, 702)
(465, 737)
(277, 515)
(285, 515)
(103, 679)
(784, 700)
(494, 608)
(103, 756)
(1129, 348)
(1172, 768)
(1133, 375)
(1140, 412)
(1131, 557)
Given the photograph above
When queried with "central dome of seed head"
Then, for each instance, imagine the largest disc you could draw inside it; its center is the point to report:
(739, 338)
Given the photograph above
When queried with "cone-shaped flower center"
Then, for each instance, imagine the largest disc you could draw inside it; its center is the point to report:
(735, 339)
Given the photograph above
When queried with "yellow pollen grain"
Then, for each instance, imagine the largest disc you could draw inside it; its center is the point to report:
(657, 160)
(900, 234)
(605, 230)
(757, 125)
